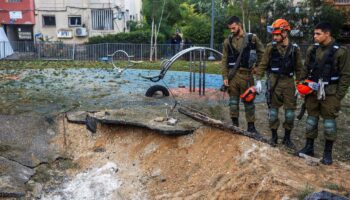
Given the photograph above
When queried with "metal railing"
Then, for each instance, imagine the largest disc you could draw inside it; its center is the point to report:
(59, 51)
(28, 50)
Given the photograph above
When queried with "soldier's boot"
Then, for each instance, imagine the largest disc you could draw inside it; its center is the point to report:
(308, 149)
(251, 128)
(235, 121)
(273, 140)
(287, 141)
(327, 153)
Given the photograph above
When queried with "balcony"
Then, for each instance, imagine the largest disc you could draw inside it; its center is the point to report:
(342, 2)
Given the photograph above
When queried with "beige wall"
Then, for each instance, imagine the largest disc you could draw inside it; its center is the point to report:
(134, 8)
(61, 9)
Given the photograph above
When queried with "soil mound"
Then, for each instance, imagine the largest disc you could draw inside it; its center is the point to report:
(208, 164)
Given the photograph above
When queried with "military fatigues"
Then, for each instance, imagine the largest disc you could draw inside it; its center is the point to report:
(339, 81)
(243, 78)
(274, 63)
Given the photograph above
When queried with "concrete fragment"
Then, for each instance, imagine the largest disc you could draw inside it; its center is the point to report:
(26, 139)
(171, 121)
(13, 177)
(312, 161)
(159, 119)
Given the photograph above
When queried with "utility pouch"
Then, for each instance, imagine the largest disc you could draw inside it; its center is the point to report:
(252, 58)
(268, 93)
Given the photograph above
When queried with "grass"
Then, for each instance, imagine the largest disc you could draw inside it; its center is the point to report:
(333, 186)
(42, 174)
(180, 65)
(4, 147)
(304, 192)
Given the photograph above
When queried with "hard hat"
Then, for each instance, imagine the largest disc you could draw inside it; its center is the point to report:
(304, 88)
(249, 94)
(280, 25)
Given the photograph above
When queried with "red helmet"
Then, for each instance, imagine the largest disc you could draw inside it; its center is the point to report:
(304, 88)
(280, 25)
(249, 94)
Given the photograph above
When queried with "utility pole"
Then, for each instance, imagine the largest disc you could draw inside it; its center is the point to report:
(211, 57)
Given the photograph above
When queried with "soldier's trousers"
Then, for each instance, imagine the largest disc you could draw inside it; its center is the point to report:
(237, 86)
(283, 95)
(328, 109)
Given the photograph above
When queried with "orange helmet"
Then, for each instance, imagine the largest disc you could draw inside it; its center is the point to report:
(280, 25)
(249, 94)
(304, 88)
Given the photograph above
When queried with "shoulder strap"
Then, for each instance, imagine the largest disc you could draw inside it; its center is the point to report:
(274, 45)
(230, 38)
(328, 70)
(250, 38)
(245, 44)
(313, 54)
(289, 50)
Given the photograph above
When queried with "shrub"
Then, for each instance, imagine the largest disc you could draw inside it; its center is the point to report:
(139, 37)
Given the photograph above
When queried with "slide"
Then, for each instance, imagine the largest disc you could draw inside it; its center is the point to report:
(5, 46)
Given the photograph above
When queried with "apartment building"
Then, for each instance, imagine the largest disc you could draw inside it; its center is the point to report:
(17, 19)
(73, 21)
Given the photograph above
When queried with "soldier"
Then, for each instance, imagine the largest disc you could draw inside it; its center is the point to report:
(239, 51)
(281, 61)
(327, 75)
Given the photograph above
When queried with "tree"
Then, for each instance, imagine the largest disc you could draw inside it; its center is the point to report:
(151, 9)
(334, 16)
(198, 30)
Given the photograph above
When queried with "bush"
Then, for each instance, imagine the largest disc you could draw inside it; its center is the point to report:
(137, 37)
(198, 30)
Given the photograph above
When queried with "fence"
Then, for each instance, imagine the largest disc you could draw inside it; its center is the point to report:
(28, 50)
(60, 51)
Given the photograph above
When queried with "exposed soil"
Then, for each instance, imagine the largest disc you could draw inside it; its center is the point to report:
(209, 164)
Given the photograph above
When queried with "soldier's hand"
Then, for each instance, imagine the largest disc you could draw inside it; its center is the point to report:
(258, 86)
(225, 82)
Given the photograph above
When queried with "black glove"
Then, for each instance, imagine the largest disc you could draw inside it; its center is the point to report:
(223, 88)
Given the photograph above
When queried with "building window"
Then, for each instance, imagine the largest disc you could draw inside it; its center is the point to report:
(14, 1)
(74, 20)
(49, 21)
(342, 2)
(102, 19)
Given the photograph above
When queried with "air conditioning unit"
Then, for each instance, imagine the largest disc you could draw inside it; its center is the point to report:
(81, 32)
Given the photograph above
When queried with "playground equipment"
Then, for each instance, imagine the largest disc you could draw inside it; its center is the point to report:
(120, 70)
(197, 55)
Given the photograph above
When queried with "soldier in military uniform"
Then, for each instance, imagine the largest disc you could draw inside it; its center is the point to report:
(282, 62)
(237, 62)
(327, 78)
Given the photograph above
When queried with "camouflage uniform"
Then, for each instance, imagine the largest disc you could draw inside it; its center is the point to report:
(243, 78)
(284, 91)
(328, 109)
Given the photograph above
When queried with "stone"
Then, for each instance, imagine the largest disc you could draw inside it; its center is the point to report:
(13, 177)
(312, 161)
(324, 195)
(27, 139)
(171, 121)
(159, 119)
